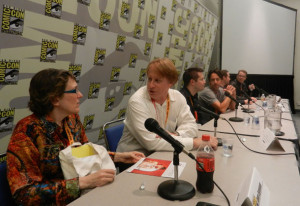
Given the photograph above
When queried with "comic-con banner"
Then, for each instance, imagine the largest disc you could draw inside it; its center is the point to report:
(105, 44)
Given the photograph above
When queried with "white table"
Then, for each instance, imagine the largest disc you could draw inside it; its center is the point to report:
(280, 174)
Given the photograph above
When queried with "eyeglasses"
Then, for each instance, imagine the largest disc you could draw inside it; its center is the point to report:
(76, 90)
(242, 76)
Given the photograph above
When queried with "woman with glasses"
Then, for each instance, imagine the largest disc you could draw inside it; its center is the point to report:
(34, 172)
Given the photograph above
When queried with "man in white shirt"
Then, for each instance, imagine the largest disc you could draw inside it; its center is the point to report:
(167, 106)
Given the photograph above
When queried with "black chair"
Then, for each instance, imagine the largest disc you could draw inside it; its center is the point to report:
(5, 194)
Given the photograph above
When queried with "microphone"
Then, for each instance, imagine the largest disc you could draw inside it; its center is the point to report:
(231, 97)
(261, 90)
(153, 126)
(215, 115)
(235, 118)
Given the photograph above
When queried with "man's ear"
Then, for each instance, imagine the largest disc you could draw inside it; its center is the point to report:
(192, 81)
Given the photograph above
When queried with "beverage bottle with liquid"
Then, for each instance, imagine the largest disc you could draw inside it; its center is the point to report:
(206, 158)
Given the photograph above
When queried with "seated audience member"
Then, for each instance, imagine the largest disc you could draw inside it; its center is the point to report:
(194, 82)
(33, 168)
(167, 106)
(241, 87)
(214, 96)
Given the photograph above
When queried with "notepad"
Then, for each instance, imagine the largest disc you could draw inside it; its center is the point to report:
(83, 151)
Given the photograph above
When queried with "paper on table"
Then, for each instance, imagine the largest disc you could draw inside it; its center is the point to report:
(156, 167)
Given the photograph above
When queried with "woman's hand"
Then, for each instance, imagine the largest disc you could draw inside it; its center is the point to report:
(128, 157)
(97, 179)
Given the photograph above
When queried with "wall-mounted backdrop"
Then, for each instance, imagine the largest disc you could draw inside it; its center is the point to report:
(107, 44)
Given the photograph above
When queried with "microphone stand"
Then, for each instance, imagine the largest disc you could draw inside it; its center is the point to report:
(236, 118)
(247, 110)
(215, 126)
(176, 189)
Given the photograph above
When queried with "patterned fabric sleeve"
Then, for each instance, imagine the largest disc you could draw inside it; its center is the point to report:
(34, 173)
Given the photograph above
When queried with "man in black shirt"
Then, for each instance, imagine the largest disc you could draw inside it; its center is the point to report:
(194, 82)
(241, 87)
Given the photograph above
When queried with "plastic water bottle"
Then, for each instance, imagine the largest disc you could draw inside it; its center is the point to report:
(255, 122)
(263, 97)
(206, 158)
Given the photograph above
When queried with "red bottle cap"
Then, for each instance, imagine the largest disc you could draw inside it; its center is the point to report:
(205, 137)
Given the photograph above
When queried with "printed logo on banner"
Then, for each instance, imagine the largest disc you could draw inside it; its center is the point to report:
(167, 52)
(88, 121)
(186, 65)
(48, 51)
(122, 113)
(163, 13)
(99, 56)
(84, 2)
(104, 21)
(127, 88)
(101, 134)
(196, 39)
(176, 43)
(151, 22)
(7, 119)
(141, 4)
(109, 103)
(193, 27)
(174, 5)
(199, 21)
(170, 29)
(94, 89)
(196, 6)
(12, 20)
(125, 10)
(9, 71)
(142, 75)
(193, 57)
(190, 47)
(115, 73)
(79, 34)
(147, 48)
(137, 31)
(159, 38)
(174, 61)
(75, 69)
(53, 8)
(132, 60)
(120, 44)
(185, 35)
(188, 14)
(181, 55)
(180, 19)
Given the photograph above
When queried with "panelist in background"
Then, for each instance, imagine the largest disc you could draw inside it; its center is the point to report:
(194, 82)
(214, 95)
(167, 106)
(241, 87)
(225, 80)
(33, 168)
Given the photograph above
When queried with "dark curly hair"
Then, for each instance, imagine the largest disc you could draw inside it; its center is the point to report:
(45, 87)
(216, 71)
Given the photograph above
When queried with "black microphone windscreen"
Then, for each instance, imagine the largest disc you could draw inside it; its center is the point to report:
(151, 124)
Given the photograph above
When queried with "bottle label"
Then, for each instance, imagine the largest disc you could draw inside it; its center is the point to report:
(207, 163)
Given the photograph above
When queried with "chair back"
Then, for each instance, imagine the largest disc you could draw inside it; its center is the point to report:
(113, 134)
(5, 194)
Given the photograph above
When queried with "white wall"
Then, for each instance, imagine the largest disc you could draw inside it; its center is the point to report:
(296, 5)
